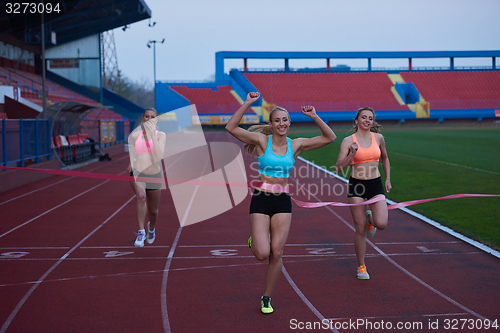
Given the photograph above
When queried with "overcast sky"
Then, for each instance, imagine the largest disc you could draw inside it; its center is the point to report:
(195, 29)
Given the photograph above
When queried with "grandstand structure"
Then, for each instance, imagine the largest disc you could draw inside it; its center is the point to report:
(63, 67)
(402, 94)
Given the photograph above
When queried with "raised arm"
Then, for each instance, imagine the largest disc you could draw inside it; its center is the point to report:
(348, 149)
(319, 141)
(239, 133)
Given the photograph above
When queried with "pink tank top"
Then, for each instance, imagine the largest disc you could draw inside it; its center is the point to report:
(142, 146)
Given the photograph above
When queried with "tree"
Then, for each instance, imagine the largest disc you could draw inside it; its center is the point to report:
(122, 85)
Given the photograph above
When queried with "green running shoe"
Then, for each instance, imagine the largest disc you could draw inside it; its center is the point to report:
(265, 305)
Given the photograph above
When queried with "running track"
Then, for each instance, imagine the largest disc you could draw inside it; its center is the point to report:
(68, 264)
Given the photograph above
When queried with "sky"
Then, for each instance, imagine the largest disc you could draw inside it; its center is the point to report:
(194, 30)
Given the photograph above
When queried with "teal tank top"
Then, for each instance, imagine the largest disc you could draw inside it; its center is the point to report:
(273, 165)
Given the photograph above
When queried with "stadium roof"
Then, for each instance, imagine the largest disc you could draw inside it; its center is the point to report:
(76, 19)
(221, 55)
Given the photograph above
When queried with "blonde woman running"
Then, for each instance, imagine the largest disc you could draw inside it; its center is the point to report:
(271, 207)
(362, 151)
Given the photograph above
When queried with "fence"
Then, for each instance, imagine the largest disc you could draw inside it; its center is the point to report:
(28, 141)
(24, 141)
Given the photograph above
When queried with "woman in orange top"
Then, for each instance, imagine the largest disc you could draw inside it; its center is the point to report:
(362, 151)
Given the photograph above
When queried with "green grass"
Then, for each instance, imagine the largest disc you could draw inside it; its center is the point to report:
(429, 163)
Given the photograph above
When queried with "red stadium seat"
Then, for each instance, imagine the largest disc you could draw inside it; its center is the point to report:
(327, 91)
(209, 101)
(458, 89)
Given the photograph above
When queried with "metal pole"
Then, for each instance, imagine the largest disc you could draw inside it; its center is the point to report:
(49, 139)
(21, 141)
(44, 96)
(37, 142)
(101, 68)
(4, 142)
(154, 64)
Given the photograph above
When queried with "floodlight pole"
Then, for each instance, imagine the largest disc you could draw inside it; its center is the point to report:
(154, 62)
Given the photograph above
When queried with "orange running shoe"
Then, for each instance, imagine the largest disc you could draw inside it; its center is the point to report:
(362, 273)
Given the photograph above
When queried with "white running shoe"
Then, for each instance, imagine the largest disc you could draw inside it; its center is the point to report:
(139, 241)
(362, 273)
(371, 228)
(151, 235)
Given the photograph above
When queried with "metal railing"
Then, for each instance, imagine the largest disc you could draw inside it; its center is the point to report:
(364, 69)
(23, 140)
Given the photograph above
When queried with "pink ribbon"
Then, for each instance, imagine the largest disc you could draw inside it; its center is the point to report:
(452, 196)
(337, 204)
(393, 206)
(276, 188)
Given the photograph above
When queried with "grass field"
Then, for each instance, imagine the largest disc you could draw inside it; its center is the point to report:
(436, 162)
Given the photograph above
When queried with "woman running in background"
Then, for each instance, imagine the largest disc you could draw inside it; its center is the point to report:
(146, 152)
(362, 151)
(271, 207)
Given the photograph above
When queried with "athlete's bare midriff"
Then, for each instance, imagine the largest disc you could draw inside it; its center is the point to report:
(365, 171)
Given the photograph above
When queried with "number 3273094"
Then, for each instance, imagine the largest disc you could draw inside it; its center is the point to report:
(31, 8)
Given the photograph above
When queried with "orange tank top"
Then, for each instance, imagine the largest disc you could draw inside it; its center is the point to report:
(370, 154)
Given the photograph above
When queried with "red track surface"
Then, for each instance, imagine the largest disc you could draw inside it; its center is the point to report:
(69, 265)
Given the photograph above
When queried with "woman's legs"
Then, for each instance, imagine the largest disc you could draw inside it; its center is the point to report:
(280, 226)
(260, 225)
(359, 217)
(380, 214)
(140, 203)
(379, 218)
(153, 201)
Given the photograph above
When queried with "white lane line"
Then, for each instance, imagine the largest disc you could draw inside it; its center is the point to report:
(60, 205)
(410, 243)
(54, 208)
(40, 280)
(319, 244)
(53, 184)
(408, 316)
(151, 272)
(338, 256)
(419, 216)
(34, 191)
(437, 292)
(446, 163)
(35, 248)
(164, 309)
(126, 247)
(213, 246)
(304, 298)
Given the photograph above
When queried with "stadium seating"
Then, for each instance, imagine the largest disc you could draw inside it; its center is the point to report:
(31, 87)
(209, 101)
(326, 91)
(62, 148)
(73, 148)
(457, 89)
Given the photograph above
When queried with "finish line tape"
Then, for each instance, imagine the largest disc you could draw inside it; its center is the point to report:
(218, 183)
